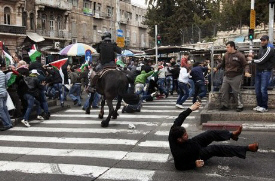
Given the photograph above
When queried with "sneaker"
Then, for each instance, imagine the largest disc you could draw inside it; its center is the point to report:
(39, 117)
(153, 94)
(256, 108)
(179, 106)
(75, 102)
(262, 109)
(144, 101)
(26, 123)
(62, 104)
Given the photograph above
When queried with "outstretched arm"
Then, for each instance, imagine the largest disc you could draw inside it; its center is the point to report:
(182, 116)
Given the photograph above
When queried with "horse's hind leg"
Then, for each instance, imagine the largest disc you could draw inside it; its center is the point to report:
(118, 105)
(105, 123)
(101, 113)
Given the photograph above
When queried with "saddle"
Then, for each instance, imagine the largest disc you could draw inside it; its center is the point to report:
(98, 75)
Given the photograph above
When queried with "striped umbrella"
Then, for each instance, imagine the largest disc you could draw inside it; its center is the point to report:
(77, 49)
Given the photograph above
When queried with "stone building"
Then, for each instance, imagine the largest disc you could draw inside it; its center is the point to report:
(53, 24)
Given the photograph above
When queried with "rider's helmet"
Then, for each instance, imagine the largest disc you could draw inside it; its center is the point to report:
(106, 36)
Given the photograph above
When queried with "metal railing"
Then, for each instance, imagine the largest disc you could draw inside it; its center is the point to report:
(55, 34)
(12, 29)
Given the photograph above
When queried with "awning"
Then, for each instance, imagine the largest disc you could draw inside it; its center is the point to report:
(239, 39)
(35, 37)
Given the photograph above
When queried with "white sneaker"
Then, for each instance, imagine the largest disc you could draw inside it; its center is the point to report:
(179, 106)
(262, 109)
(40, 117)
(144, 101)
(256, 108)
(26, 123)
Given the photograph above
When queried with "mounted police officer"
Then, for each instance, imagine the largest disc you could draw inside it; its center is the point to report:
(107, 50)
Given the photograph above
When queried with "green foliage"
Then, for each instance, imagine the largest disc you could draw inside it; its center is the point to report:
(191, 19)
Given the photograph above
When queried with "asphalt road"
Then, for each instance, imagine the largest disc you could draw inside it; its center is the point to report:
(72, 146)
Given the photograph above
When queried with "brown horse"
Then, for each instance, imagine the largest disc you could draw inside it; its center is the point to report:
(114, 83)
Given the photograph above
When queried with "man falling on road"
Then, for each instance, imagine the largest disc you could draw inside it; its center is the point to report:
(191, 153)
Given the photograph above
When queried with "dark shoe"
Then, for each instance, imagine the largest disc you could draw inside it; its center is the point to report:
(62, 104)
(253, 147)
(123, 109)
(5, 128)
(95, 107)
(239, 109)
(166, 95)
(75, 102)
(235, 134)
(46, 116)
(224, 108)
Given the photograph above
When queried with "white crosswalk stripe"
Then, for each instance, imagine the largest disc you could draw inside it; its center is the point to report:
(61, 145)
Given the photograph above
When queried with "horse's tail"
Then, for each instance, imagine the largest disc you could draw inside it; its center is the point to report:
(129, 98)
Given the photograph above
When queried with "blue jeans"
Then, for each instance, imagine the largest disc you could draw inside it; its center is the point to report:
(43, 101)
(75, 89)
(200, 90)
(58, 87)
(96, 99)
(192, 87)
(31, 100)
(261, 84)
(169, 83)
(4, 113)
(161, 86)
(183, 92)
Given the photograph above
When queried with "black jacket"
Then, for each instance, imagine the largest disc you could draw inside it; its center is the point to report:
(265, 59)
(185, 154)
(107, 50)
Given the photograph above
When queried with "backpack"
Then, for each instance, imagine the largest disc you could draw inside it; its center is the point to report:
(31, 84)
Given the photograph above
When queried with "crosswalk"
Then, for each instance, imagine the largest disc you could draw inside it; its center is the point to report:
(72, 143)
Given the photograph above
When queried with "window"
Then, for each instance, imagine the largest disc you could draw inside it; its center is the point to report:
(59, 23)
(87, 4)
(32, 21)
(109, 11)
(98, 7)
(94, 33)
(24, 19)
(136, 17)
(44, 19)
(51, 23)
(75, 3)
(7, 15)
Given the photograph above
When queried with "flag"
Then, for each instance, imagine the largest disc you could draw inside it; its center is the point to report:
(7, 55)
(82, 66)
(119, 61)
(58, 64)
(33, 53)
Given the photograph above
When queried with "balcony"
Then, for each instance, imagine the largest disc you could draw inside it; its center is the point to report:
(55, 34)
(12, 29)
(124, 21)
(99, 15)
(142, 25)
(61, 4)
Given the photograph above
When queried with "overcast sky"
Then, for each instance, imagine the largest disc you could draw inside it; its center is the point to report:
(140, 2)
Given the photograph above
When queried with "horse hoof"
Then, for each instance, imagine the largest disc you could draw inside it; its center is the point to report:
(114, 117)
(100, 116)
(104, 124)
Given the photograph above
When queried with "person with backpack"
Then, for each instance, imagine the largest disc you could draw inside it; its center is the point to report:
(31, 87)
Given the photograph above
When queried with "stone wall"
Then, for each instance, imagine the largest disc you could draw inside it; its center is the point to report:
(248, 96)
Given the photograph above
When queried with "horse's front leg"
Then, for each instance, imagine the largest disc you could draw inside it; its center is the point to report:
(101, 113)
(105, 123)
(118, 105)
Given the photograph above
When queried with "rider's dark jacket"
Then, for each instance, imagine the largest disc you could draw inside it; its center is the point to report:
(107, 50)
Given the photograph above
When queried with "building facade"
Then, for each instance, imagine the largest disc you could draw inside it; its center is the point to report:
(54, 24)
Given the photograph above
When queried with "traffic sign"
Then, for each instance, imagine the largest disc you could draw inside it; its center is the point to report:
(120, 33)
(252, 19)
(120, 42)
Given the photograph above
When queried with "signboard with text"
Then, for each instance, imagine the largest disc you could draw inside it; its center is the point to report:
(252, 19)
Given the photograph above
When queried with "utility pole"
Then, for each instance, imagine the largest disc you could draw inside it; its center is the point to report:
(156, 44)
(252, 25)
(271, 22)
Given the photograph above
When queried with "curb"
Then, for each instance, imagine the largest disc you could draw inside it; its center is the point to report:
(213, 126)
